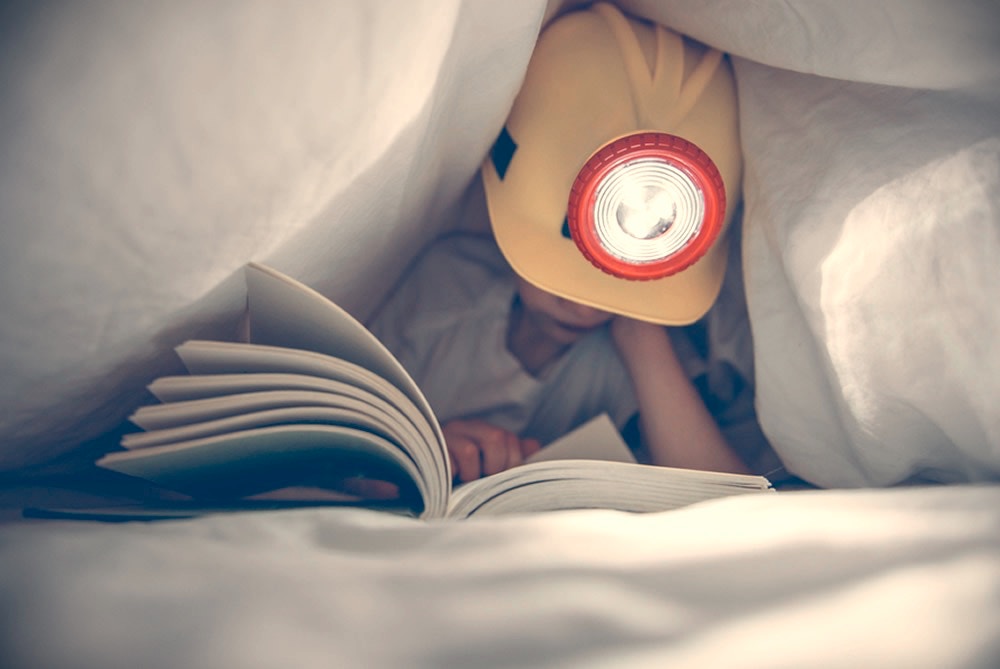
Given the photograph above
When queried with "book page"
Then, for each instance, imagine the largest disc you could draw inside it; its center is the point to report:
(159, 417)
(597, 439)
(285, 312)
(200, 386)
(349, 413)
(236, 464)
(223, 357)
(581, 484)
(214, 357)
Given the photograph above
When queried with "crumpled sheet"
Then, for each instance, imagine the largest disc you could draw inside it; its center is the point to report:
(149, 151)
(888, 578)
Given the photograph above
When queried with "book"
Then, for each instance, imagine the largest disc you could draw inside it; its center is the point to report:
(311, 398)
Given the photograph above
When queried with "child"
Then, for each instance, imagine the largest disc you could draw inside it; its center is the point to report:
(508, 367)
(607, 195)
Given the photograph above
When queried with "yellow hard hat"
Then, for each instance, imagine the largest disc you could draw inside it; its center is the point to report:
(617, 172)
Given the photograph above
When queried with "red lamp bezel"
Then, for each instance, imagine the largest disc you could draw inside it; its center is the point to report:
(676, 151)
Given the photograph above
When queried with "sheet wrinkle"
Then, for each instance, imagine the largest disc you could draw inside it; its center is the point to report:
(806, 31)
(860, 125)
(415, 157)
(143, 178)
(941, 47)
(256, 590)
(875, 632)
(766, 365)
(421, 181)
(901, 273)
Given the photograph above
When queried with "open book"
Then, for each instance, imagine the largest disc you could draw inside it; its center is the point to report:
(313, 397)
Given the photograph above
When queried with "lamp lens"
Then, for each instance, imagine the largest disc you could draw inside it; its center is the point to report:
(646, 210)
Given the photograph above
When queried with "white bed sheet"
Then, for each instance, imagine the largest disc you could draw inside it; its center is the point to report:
(890, 578)
(150, 151)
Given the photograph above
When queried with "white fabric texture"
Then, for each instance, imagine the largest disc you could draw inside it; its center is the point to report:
(447, 324)
(150, 151)
(832, 579)
(875, 301)
(921, 44)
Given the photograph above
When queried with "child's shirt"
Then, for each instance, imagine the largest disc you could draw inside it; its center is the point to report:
(447, 323)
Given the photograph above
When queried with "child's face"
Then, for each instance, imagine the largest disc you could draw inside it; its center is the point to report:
(559, 319)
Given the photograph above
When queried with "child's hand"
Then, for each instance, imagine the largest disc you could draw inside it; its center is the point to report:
(478, 448)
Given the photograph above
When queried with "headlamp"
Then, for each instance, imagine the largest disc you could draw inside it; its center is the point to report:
(646, 205)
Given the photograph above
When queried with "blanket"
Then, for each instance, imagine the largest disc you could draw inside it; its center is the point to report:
(149, 151)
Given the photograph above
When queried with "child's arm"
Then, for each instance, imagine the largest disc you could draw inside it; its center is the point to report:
(676, 427)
